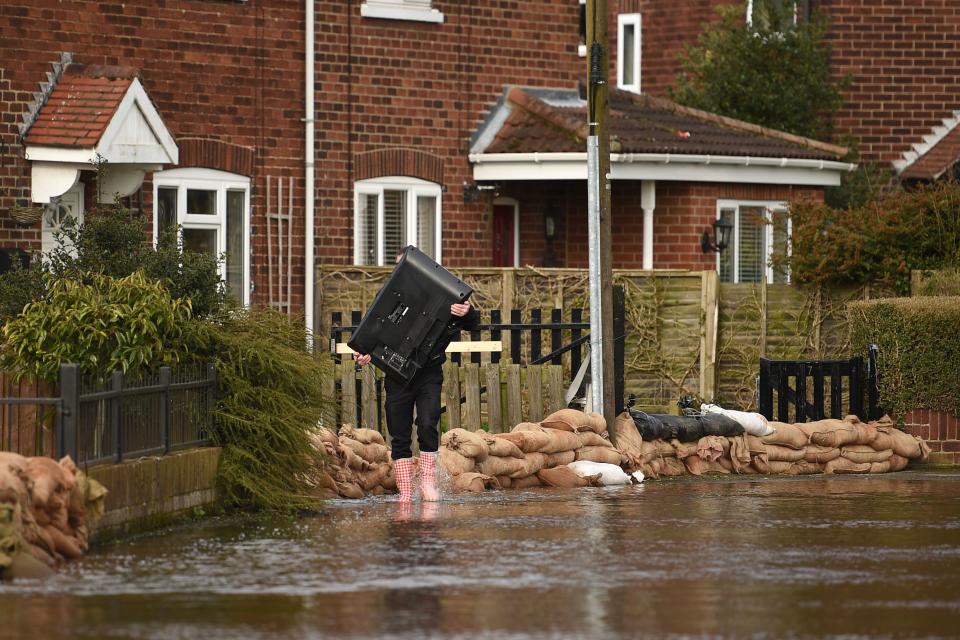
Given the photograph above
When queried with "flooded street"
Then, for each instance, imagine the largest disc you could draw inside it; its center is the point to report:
(814, 557)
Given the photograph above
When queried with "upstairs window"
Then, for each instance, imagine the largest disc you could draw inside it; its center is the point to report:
(417, 10)
(776, 15)
(391, 213)
(628, 52)
(761, 230)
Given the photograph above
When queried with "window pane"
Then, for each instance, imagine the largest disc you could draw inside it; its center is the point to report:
(235, 234)
(752, 256)
(427, 225)
(726, 256)
(627, 53)
(394, 224)
(201, 202)
(780, 239)
(200, 241)
(367, 233)
(166, 209)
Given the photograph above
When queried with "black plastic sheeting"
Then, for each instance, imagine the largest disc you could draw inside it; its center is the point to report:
(661, 426)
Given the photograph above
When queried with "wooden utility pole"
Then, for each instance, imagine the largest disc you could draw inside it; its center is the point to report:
(598, 205)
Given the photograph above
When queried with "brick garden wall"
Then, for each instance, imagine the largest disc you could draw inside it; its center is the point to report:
(940, 430)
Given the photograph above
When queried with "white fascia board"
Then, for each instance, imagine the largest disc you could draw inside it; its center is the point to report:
(665, 167)
(162, 150)
(68, 155)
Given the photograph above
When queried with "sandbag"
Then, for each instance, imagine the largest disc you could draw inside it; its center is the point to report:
(672, 467)
(361, 435)
(842, 465)
(786, 435)
(558, 459)
(712, 447)
(805, 468)
(473, 483)
(565, 420)
(880, 467)
(505, 482)
(908, 446)
(531, 463)
(753, 423)
(884, 439)
(373, 453)
(816, 454)
(684, 449)
(694, 464)
(565, 478)
(500, 465)
(831, 433)
(771, 467)
(526, 441)
(454, 462)
(630, 442)
(610, 474)
(864, 453)
(608, 455)
(591, 439)
(353, 460)
(596, 423)
(467, 443)
(898, 463)
(497, 446)
(350, 490)
(779, 453)
(525, 483)
(555, 441)
(713, 467)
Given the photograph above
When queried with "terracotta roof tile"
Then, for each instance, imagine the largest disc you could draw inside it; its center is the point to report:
(939, 158)
(555, 121)
(80, 107)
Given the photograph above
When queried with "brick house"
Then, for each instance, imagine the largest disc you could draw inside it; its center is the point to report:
(425, 124)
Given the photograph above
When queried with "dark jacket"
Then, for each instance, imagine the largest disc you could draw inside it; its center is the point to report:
(468, 322)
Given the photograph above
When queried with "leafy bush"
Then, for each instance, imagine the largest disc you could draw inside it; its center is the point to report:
(774, 73)
(112, 241)
(880, 242)
(269, 400)
(945, 282)
(919, 358)
(99, 322)
(19, 287)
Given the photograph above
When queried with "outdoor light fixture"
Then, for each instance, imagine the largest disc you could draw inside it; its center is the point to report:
(472, 191)
(721, 236)
(549, 226)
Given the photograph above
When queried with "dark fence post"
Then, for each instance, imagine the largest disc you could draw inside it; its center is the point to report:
(619, 338)
(856, 386)
(765, 389)
(515, 336)
(495, 334)
(535, 320)
(873, 383)
(116, 386)
(165, 378)
(69, 410)
(556, 335)
(576, 316)
(212, 393)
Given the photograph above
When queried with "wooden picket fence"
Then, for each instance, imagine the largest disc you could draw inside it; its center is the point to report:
(493, 396)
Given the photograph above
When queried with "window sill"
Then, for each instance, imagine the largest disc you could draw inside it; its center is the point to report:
(368, 10)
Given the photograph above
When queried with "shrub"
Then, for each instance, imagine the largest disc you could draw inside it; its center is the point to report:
(99, 322)
(879, 243)
(19, 287)
(775, 74)
(919, 358)
(269, 400)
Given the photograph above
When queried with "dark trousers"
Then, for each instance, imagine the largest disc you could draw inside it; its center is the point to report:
(423, 392)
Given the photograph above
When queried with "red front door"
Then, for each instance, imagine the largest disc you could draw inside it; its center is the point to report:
(503, 235)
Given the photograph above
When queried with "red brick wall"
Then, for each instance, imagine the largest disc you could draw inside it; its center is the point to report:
(220, 70)
(940, 430)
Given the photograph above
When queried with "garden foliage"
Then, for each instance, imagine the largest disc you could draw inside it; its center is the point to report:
(775, 72)
(919, 356)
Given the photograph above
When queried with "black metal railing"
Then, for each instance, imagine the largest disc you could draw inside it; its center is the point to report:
(106, 420)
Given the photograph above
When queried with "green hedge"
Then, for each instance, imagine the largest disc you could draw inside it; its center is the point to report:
(919, 359)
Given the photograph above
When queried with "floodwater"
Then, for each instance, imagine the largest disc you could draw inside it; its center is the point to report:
(816, 557)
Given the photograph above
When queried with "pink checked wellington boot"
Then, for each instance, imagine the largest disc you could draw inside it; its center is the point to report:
(403, 471)
(428, 472)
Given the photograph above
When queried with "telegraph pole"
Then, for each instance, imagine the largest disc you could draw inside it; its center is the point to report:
(598, 214)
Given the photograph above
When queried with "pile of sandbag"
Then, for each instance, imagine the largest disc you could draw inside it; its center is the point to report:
(824, 446)
(357, 463)
(45, 507)
(530, 455)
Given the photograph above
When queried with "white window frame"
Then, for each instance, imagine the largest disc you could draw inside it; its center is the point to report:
(415, 187)
(624, 20)
(768, 206)
(416, 10)
(208, 180)
(581, 48)
(750, 12)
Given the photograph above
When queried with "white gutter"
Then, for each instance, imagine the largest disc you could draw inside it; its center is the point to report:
(660, 166)
(308, 248)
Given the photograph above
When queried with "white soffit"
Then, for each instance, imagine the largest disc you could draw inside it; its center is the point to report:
(662, 167)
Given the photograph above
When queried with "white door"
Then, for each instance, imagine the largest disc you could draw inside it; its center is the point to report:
(69, 206)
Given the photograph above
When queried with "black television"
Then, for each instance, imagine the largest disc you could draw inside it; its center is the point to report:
(409, 315)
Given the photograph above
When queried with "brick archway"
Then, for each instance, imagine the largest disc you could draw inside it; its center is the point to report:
(216, 154)
(399, 162)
